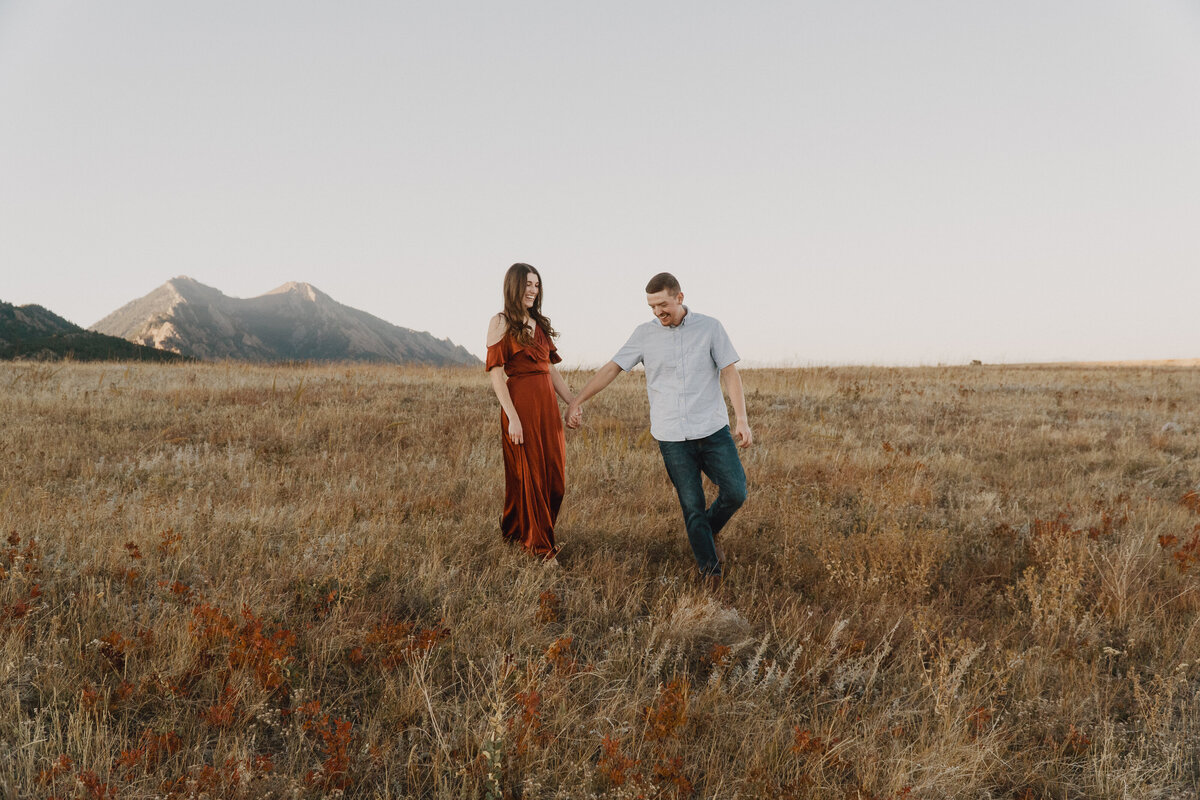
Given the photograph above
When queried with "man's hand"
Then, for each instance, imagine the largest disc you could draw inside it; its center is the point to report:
(737, 397)
(742, 435)
(574, 415)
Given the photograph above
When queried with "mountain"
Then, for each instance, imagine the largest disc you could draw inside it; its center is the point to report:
(33, 332)
(296, 322)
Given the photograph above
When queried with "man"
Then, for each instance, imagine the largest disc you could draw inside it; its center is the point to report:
(687, 355)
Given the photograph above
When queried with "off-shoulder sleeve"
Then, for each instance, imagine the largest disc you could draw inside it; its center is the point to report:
(497, 354)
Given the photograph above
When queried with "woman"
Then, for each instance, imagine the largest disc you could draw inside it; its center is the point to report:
(520, 361)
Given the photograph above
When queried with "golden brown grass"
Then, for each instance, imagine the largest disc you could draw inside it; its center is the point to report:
(234, 581)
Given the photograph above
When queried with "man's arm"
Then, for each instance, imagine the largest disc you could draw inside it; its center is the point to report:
(733, 387)
(603, 377)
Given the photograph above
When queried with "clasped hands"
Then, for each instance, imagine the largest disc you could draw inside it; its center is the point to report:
(574, 415)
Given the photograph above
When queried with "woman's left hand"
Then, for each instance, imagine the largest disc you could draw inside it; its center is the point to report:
(516, 432)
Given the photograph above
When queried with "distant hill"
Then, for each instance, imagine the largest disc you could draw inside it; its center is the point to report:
(296, 322)
(35, 333)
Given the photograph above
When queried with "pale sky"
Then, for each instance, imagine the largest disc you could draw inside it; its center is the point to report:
(839, 182)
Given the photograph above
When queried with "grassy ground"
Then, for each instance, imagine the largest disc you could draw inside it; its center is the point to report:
(224, 581)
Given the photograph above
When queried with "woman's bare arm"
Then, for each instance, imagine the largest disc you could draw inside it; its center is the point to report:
(560, 385)
(516, 433)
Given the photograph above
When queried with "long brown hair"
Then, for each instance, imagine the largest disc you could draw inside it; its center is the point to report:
(514, 305)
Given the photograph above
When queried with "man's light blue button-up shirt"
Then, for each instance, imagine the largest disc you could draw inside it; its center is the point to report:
(683, 375)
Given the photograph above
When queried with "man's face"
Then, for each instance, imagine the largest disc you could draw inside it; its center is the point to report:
(666, 306)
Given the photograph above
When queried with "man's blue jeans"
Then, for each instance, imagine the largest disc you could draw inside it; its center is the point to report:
(715, 456)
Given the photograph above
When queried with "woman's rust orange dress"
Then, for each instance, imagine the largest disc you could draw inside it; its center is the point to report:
(534, 472)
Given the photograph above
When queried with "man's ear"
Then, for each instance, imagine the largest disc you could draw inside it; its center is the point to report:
(681, 297)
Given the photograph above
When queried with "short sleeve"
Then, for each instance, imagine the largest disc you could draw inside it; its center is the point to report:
(497, 354)
(631, 353)
(721, 348)
(554, 356)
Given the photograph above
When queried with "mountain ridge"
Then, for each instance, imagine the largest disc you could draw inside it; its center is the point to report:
(35, 332)
(293, 322)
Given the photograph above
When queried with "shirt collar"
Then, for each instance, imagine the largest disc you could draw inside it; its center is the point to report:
(683, 321)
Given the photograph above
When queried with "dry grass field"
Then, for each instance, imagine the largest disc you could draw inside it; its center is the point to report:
(236, 581)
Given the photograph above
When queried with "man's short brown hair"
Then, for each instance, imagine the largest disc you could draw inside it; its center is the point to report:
(663, 281)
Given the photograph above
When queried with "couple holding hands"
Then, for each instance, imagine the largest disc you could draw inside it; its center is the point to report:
(687, 356)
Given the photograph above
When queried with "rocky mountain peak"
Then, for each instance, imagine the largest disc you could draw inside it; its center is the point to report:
(295, 322)
(301, 289)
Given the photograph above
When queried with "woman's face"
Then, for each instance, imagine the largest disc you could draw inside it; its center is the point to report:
(533, 286)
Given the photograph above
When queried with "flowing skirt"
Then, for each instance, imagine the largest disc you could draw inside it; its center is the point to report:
(534, 472)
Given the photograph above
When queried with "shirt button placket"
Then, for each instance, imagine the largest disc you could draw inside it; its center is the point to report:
(683, 420)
